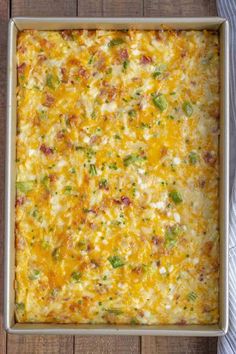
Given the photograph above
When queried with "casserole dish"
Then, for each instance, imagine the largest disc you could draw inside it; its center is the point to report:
(53, 24)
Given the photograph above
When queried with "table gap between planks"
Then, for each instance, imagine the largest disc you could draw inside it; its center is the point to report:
(15, 344)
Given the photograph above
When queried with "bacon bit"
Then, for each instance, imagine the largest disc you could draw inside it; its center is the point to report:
(83, 73)
(138, 269)
(155, 240)
(193, 83)
(181, 322)
(210, 158)
(93, 226)
(69, 144)
(91, 33)
(21, 49)
(93, 211)
(74, 307)
(207, 247)
(64, 75)
(116, 201)
(60, 134)
(46, 150)
(201, 277)
(46, 44)
(21, 68)
(158, 263)
(202, 182)
(126, 201)
(163, 151)
(93, 139)
(145, 60)
(41, 58)
(159, 35)
(89, 247)
(49, 100)
(183, 54)
(72, 119)
(52, 177)
(124, 55)
(95, 264)
(102, 186)
(20, 201)
(74, 62)
(66, 35)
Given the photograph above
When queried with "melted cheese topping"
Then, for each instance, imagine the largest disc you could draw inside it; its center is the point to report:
(117, 177)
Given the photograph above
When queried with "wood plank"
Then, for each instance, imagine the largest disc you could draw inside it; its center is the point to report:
(90, 8)
(3, 62)
(44, 8)
(39, 344)
(154, 8)
(107, 345)
(172, 345)
(121, 8)
(178, 345)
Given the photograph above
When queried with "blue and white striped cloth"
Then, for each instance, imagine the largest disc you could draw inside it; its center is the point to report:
(227, 344)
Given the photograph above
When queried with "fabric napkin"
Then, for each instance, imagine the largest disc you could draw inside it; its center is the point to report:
(227, 344)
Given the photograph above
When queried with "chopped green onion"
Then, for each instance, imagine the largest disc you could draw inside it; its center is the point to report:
(52, 81)
(116, 261)
(176, 196)
(68, 189)
(171, 235)
(103, 183)
(192, 296)
(115, 41)
(160, 102)
(130, 159)
(193, 158)
(20, 306)
(34, 274)
(132, 113)
(25, 187)
(75, 276)
(113, 166)
(114, 311)
(187, 108)
(92, 170)
(56, 253)
(116, 136)
(159, 70)
(126, 64)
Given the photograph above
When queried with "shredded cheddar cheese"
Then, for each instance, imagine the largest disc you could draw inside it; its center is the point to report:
(117, 177)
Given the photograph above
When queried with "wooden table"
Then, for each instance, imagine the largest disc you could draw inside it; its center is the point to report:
(14, 344)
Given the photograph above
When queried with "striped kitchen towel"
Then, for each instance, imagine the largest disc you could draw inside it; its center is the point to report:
(227, 344)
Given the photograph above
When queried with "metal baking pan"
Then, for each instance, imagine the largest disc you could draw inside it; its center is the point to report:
(18, 24)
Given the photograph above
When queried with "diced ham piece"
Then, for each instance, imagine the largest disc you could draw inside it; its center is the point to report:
(124, 55)
(126, 201)
(145, 60)
(21, 68)
(52, 177)
(49, 100)
(83, 73)
(60, 134)
(46, 150)
(66, 35)
(210, 158)
(64, 75)
(20, 200)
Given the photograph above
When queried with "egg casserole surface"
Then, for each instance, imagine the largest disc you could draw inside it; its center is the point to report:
(117, 177)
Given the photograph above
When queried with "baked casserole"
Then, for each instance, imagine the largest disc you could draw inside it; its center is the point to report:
(117, 177)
